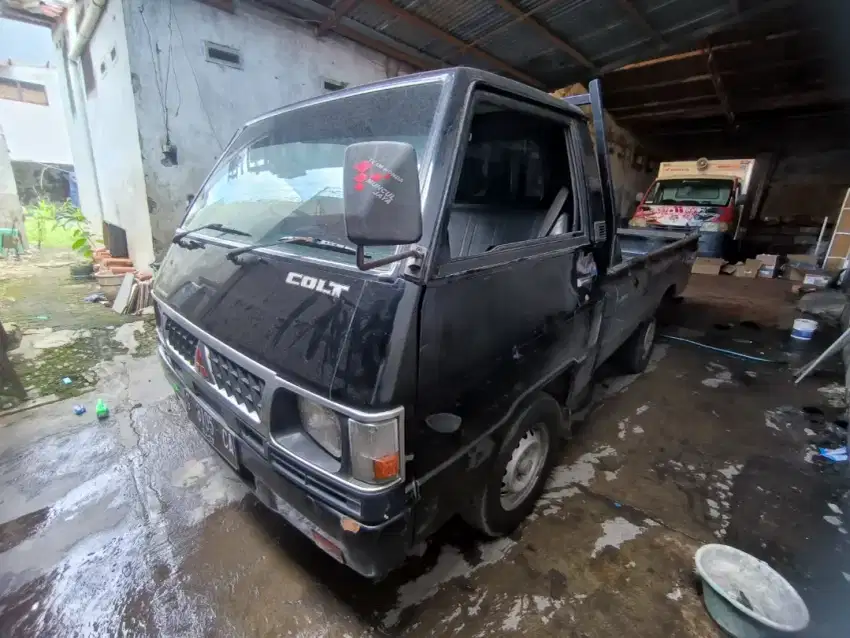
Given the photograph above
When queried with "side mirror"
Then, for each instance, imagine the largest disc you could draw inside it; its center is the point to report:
(381, 198)
(639, 198)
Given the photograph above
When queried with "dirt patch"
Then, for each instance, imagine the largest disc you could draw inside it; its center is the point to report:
(63, 338)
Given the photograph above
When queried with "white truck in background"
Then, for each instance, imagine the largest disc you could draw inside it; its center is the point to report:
(711, 195)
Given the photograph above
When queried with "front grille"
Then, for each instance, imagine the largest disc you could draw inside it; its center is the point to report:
(236, 382)
(183, 341)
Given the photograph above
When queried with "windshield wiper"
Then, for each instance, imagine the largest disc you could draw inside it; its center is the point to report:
(292, 239)
(219, 227)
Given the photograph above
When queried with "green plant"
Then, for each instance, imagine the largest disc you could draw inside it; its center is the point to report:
(71, 218)
(42, 214)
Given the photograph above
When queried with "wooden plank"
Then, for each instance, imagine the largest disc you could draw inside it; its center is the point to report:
(842, 225)
(124, 292)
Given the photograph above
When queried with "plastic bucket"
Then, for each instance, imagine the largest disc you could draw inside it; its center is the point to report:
(746, 597)
(803, 329)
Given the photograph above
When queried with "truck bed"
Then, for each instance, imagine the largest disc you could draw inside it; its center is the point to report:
(637, 243)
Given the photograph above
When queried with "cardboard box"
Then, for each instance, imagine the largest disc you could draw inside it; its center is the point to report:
(803, 259)
(769, 265)
(819, 281)
(707, 266)
(794, 274)
(749, 269)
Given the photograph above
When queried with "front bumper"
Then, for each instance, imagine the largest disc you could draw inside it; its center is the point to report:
(371, 549)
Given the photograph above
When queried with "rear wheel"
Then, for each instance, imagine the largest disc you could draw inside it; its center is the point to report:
(635, 353)
(519, 472)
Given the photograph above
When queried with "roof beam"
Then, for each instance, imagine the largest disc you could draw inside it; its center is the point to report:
(646, 105)
(525, 16)
(639, 18)
(353, 30)
(688, 37)
(19, 15)
(770, 103)
(659, 85)
(719, 88)
(340, 8)
(433, 29)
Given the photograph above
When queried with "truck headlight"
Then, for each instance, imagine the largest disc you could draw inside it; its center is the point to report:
(714, 227)
(637, 222)
(322, 424)
(375, 450)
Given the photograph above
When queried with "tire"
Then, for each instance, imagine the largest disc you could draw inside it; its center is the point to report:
(635, 353)
(517, 475)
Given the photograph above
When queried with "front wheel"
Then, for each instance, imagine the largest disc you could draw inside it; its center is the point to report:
(636, 352)
(517, 476)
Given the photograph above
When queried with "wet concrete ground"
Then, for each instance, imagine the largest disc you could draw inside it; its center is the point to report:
(132, 527)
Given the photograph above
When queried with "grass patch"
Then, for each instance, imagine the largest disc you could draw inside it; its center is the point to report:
(43, 375)
(57, 237)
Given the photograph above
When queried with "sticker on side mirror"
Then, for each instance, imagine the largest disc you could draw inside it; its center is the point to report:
(381, 194)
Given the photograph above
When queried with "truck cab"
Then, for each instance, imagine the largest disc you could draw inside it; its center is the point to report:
(710, 196)
(383, 304)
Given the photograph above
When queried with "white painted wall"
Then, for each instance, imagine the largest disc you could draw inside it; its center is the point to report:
(283, 63)
(11, 212)
(104, 134)
(34, 132)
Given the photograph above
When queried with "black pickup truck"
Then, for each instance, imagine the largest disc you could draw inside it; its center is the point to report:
(384, 304)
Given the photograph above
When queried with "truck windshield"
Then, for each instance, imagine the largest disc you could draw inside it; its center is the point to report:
(691, 192)
(283, 174)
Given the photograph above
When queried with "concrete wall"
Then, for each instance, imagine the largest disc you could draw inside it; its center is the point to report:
(11, 213)
(627, 180)
(808, 186)
(35, 132)
(205, 102)
(104, 132)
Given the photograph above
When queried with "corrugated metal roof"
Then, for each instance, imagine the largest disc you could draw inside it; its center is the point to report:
(36, 11)
(605, 32)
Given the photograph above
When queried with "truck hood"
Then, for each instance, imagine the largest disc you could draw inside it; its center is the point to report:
(676, 215)
(323, 328)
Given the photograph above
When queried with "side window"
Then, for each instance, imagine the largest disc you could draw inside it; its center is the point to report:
(514, 183)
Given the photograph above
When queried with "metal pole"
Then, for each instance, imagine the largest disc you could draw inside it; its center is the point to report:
(831, 350)
(820, 239)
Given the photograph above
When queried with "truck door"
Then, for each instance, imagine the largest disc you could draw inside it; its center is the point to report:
(503, 308)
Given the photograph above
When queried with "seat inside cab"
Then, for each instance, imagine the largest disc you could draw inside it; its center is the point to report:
(514, 183)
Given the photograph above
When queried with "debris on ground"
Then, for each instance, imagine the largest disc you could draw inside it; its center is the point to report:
(79, 409)
(101, 410)
(59, 330)
(824, 304)
(838, 455)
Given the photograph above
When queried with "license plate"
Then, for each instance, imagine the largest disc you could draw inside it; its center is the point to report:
(216, 433)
